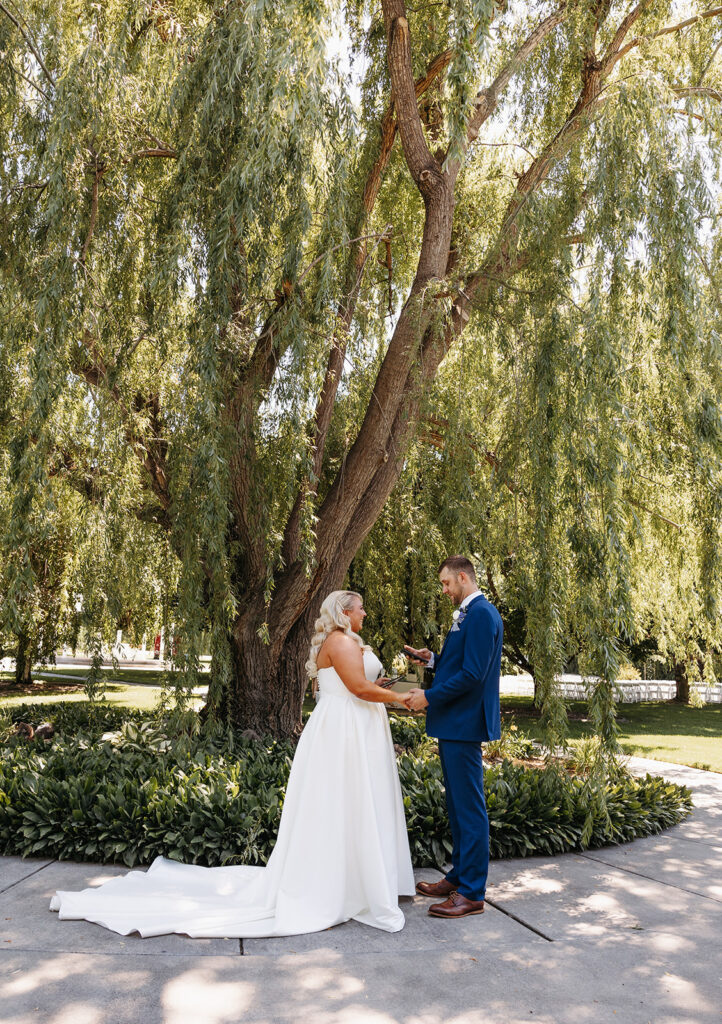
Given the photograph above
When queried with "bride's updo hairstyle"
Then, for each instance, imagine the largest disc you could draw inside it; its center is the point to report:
(332, 617)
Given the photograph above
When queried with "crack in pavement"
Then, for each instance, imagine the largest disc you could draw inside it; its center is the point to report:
(519, 920)
(25, 877)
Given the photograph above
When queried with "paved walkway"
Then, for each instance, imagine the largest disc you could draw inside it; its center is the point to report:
(626, 934)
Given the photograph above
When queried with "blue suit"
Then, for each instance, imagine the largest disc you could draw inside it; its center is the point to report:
(463, 712)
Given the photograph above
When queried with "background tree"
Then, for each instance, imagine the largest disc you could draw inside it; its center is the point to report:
(231, 288)
(71, 572)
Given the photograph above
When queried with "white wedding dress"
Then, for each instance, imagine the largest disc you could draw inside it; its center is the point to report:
(342, 850)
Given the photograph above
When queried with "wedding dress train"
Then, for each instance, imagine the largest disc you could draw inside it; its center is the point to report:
(342, 850)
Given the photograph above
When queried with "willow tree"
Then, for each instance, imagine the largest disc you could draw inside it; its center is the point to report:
(585, 502)
(230, 278)
(72, 573)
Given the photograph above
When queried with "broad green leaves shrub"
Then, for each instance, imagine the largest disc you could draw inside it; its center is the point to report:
(143, 792)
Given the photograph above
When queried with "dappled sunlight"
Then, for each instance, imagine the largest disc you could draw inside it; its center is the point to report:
(317, 979)
(668, 942)
(361, 1014)
(46, 972)
(198, 995)
(78, 1013)
(607, 907)
(614, 903)
(106, 874)
(529, 881)
(683, 994)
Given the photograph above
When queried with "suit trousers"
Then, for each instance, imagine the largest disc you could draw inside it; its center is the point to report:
(463, 772)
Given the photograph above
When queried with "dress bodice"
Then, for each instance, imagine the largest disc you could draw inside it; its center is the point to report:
(330, 682)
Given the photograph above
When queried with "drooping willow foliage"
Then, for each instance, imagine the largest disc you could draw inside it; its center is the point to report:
(275, 273)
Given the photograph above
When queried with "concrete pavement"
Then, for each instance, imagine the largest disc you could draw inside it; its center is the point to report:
(627, 934)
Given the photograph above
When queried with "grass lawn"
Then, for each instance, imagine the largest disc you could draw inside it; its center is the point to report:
(126, 675)
(657, 729)
(47, 691)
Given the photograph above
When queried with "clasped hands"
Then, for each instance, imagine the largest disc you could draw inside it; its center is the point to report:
(410, 699)
(414, 700)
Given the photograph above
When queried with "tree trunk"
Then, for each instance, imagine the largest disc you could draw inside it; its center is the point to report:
(269, 680)
(23, 660)
(682, 680)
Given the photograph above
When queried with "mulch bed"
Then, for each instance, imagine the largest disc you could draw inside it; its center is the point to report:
(43, 687)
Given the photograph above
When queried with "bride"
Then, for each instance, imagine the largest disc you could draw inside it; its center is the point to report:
(342, 850)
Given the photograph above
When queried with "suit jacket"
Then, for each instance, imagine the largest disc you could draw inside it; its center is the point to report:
(464, 695)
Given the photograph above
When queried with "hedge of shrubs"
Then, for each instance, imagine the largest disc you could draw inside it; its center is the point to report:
(119, 786)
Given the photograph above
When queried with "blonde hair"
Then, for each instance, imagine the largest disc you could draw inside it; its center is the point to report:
(332, 617)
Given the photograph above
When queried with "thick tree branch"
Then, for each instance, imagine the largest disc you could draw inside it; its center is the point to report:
(422, 165)
(164, 153)
(389, 127)
(257, 373)
(696, 90)
(624, 26)
(324, 409)
(370, 465)
(253, 380)
(487, 99)
(614, 56)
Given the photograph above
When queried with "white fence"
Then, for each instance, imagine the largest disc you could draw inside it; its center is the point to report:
(629, 690)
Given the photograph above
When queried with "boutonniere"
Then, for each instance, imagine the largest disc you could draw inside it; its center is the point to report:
(455, 622)
(456, 615)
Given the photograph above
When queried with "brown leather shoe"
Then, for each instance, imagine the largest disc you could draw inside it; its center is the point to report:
(457, 906)
(440, 888)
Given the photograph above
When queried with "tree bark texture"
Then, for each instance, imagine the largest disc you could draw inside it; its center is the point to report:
(23, 661)
(681, 679)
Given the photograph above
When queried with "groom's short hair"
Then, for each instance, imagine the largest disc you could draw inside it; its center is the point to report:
(457, 564)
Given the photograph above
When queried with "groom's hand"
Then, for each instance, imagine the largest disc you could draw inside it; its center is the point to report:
(417, 700)
(424, 652)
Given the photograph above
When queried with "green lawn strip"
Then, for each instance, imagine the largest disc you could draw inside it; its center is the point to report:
(144, 697)
(656, 729)
(125, 675)
(80, 672)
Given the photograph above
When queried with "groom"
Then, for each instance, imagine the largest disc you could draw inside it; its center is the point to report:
(462, 711)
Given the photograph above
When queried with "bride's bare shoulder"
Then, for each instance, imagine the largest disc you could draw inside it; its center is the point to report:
(336, 644)
(338, 640)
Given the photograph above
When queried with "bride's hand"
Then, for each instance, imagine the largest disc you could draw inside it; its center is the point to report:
(403, 698)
